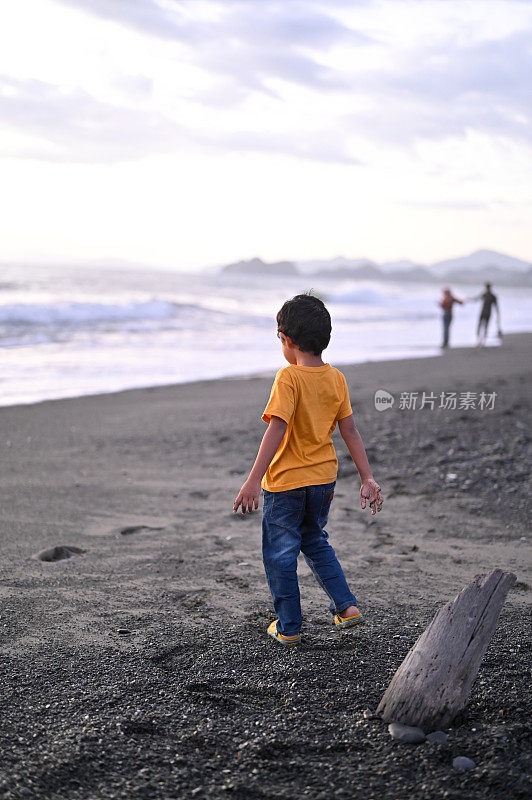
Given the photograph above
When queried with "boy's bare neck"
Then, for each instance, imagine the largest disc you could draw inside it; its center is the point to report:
(304, 359)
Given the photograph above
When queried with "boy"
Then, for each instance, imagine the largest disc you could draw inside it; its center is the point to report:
(296, 466)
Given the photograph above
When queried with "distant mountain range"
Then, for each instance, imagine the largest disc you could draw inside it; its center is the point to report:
(477, 267)
(256, 266)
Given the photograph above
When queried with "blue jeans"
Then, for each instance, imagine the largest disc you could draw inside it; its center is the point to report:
(294, 521)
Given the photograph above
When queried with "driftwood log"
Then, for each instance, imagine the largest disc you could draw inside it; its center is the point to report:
(433, 683)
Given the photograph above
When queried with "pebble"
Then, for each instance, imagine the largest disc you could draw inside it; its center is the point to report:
(369, 713)
(437, 737)
(461, 763)
(405, 733)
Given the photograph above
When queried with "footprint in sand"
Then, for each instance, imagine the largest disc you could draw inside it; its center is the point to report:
(130, 529)
(60, 552)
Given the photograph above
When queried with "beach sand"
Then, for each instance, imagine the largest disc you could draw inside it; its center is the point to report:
(196, 700)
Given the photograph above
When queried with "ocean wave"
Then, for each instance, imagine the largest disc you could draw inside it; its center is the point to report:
(401, 316)
(74, 314)
(363, 297)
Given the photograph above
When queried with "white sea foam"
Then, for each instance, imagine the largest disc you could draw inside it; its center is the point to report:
(79, 313)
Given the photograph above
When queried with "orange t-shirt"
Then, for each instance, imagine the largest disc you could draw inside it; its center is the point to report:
(311, 400)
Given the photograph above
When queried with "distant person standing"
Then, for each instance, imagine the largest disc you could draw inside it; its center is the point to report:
(446, 303)
(489, 300)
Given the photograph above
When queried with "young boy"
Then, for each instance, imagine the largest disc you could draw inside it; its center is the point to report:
(297, 467)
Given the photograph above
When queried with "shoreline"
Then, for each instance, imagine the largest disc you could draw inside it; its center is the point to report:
(267, 374)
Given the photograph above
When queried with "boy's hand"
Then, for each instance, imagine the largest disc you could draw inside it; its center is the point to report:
(248, 497)
(370, 490)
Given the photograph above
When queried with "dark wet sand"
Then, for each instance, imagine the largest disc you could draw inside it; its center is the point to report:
(196, 701)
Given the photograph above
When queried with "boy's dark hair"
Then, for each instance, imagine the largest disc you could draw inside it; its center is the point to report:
(307, 322)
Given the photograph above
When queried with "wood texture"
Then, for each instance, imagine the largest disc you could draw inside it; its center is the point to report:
(433, 683)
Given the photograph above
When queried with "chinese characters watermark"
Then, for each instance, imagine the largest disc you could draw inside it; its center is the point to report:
(449, 401)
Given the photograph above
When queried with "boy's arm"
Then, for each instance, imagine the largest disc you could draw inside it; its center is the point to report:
(248, 496)
(369, 488)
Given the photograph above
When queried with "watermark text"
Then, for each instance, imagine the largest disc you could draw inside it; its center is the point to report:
(449, 401)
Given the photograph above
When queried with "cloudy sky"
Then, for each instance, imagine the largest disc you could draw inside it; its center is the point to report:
(196, 132)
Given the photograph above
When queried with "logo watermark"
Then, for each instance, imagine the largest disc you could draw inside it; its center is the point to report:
(450, 401)
(383, 400)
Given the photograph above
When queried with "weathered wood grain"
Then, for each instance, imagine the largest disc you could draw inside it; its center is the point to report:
(433, 683)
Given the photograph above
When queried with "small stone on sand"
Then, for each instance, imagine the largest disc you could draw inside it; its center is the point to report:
(437, 737)
(461, 763)
(405, 733)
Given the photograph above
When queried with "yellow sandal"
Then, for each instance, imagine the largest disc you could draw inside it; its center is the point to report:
(274, 633)
(348, 622)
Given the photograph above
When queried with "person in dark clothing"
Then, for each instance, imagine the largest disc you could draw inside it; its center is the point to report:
(489, 300)
(446, 303)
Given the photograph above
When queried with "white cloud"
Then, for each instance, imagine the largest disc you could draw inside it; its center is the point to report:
(393, 107)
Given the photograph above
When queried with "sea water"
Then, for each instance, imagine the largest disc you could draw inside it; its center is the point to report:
(67, 332)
